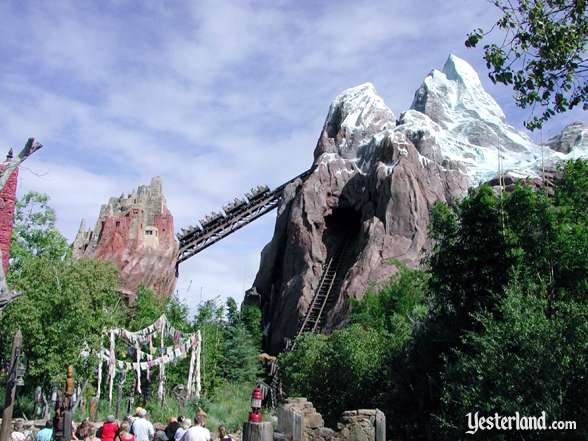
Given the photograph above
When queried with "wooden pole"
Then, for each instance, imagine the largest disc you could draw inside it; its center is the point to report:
(6, 428)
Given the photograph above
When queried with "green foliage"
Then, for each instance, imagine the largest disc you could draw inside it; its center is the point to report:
(395, 307)
(68, 303)
(146, 308)
(240, 363)
(338, 372)
(178, 313)
(542, 54)
(477, 268)
(34, 233)
(528, 362)
(209, 320)
(230, 406)
(471, 258)
(251, 319)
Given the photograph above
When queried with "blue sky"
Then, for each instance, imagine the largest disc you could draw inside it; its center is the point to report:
(213, 96)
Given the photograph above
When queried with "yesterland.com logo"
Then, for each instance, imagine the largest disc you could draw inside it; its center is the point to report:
(516, 422)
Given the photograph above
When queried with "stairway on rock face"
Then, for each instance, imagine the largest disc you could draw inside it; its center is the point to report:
(325, 296)
(327, 291)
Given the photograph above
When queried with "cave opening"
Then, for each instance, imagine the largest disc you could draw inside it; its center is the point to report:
(342, 225)
(341, 237)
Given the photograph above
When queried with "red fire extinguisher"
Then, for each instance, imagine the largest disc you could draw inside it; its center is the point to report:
(255, 414)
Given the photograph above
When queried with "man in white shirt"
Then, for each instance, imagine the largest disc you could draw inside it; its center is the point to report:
(142, 427)
(197, 432)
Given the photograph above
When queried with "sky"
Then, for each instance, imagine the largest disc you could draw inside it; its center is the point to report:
(213, 96)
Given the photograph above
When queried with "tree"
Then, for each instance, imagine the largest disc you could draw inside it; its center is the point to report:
(251, 319)
(146, 308)
(34, 232)
(531, 361)
(209, 319)
(471, 258)
(68, 304)
(542, 54)
(395, 307)
(242, 344)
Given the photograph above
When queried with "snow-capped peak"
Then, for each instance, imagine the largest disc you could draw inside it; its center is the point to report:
(469, 128)
(456, 91)
(357, 109)
(453, 122)
(460, 70)
(354, 117)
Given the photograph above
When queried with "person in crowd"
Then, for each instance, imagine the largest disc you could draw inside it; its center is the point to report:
(197, 432)
(129, 419)
(92, 434)
(18, 432)
(223, 435)
(46, 433)
(172, 427)
(84, 428)
(160, 435)
(185, 424)
(124, 433)
(109, 429)
(142, 427)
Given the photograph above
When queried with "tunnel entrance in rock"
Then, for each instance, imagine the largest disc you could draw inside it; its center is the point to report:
(342, 225)
(342, 228)
(341, 234)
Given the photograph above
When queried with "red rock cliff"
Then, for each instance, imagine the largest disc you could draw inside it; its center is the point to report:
(136, 233)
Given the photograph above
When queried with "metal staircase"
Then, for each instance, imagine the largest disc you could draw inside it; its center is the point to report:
(314, 319)
(330, 282)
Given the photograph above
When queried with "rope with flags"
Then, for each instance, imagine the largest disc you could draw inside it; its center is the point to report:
(183, 344)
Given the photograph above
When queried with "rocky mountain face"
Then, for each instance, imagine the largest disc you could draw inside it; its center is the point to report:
(372, 185)
(136, 233)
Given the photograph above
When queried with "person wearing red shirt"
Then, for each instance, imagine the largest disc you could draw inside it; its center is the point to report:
(109, 429)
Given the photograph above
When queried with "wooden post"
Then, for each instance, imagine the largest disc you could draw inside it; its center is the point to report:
(67, 426)
(258, 431)
(6, 428)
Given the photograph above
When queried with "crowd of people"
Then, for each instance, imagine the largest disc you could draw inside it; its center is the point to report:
(132, 428)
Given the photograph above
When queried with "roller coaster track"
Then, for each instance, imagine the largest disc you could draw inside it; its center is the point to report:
(220, 225)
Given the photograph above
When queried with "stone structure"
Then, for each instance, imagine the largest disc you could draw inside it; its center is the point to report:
(7, 205)
(372, 185)
(298, 420)
(136, 233)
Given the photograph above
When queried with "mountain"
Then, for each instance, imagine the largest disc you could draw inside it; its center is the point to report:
(136, 233)
(373, 182)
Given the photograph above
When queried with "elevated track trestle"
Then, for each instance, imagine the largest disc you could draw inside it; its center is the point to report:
(235, 215)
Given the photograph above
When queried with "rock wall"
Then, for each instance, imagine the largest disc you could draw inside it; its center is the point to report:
(136, 233)
(7, 206)
(298, 420)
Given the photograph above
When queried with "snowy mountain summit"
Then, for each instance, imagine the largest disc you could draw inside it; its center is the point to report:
(471, 130)
(453, 122)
